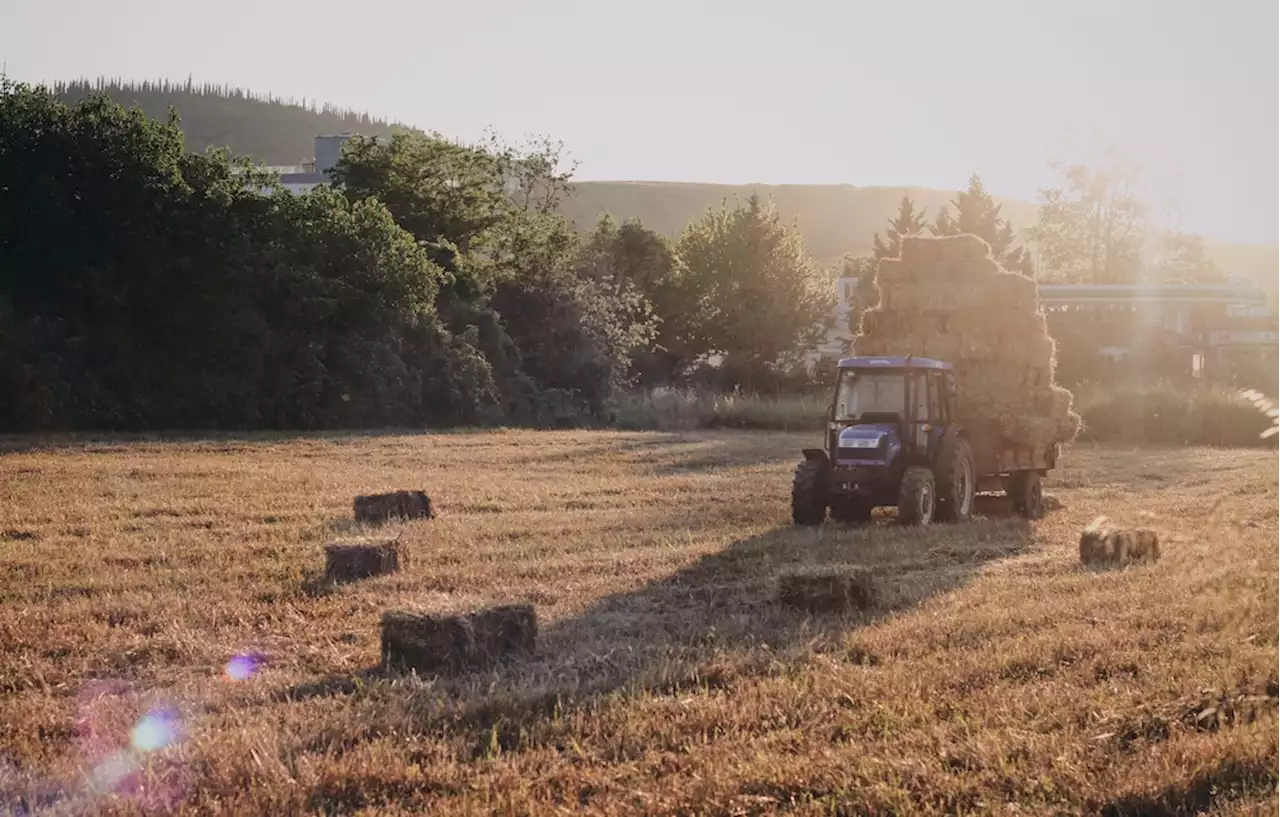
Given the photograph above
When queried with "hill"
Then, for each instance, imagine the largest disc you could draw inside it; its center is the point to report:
(272, 130)
(835, 219)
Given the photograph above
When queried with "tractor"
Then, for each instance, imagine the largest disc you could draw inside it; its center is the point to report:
(893, 440)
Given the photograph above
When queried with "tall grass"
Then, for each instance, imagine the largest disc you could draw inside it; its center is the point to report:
(670, 410)
(1162, 413)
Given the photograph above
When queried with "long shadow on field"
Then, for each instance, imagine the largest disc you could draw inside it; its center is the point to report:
(711, 623)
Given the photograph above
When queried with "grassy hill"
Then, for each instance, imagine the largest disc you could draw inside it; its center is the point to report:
(835, 219)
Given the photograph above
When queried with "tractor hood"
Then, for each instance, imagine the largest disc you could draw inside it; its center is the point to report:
(869, 441)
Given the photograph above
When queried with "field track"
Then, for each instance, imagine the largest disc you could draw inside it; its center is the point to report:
(992, 671)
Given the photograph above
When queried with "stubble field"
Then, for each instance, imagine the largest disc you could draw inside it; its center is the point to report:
(165, 645)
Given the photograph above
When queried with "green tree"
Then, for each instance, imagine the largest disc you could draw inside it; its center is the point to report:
(449, 196)
(641, 270)
(754, 294)
(863, 270)
(906, 222)
(1180, 258)
(977, 213)
(142, 286)
(1091, 226)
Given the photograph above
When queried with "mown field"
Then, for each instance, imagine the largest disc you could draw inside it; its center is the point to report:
(994, 675)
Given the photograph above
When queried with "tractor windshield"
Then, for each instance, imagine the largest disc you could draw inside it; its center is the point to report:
(862, 393)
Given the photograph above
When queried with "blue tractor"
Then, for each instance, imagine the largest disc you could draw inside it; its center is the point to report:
(893, 440)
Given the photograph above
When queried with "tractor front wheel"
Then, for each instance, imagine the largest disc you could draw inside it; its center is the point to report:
(808, 493)
(1027, 494)
(917, 497)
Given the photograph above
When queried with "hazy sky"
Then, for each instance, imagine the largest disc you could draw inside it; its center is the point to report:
(908, 93)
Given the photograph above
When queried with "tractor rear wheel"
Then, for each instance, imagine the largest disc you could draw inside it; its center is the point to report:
(955, 480)
(917, 497)
(808, 493)
(1027, 494)
(851, 510)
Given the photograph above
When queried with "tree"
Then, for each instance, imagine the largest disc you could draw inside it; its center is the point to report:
(641, 271)
(142, 286)
(1179, 258)
(863, 269)
(447, 195)
(907, 222)
(754, 294)
(978, 213)
(1091, 226)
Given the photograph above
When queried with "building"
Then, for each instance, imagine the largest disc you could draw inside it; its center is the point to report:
(302, 177)
(1216, 329)
(838, 342)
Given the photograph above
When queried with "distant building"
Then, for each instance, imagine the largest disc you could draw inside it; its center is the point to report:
(839, 338)
(302, 177)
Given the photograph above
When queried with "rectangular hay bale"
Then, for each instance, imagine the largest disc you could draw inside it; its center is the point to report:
(434, 643)
(1102, 545)
(352, 561)
(829, 590)
(379, 508)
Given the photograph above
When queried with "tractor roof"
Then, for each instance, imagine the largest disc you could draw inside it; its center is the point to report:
(908, 362)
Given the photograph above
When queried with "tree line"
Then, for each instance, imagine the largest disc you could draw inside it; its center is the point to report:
(146, 286)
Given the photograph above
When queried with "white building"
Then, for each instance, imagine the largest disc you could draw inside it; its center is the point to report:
(839, 339)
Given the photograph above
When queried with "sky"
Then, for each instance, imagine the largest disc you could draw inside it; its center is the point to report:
(914, 93)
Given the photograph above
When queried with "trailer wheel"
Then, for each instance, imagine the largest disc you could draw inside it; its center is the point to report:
(955, 480)
(1027, 494)
(808, 494)
(917, 497)
(851, 510)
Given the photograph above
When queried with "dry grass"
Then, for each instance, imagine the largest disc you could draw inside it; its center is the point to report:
(992, 671)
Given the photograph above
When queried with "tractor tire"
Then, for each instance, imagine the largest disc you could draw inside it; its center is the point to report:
(956, 484)
(1027, 495)
(917, 497)
(851, 511)
(808, 494)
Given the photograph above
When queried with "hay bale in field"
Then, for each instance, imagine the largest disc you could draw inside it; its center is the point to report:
(1102, 545)
(379, 508)
(830, 590)
(948, 298)
(449, 642)
(352, 561)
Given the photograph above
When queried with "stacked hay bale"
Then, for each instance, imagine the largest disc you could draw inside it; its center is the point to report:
(948, 299)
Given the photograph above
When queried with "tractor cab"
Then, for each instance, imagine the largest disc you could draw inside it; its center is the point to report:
(887, 407)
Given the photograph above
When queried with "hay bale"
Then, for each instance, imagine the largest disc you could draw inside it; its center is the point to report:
(379, 508)
(831, 590)
(947, 298)
(1102, 545)
(434, 643)
(352, 561)
(916, 249)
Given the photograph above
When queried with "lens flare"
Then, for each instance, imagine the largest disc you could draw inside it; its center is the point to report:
(242, 667)
(156, 730)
